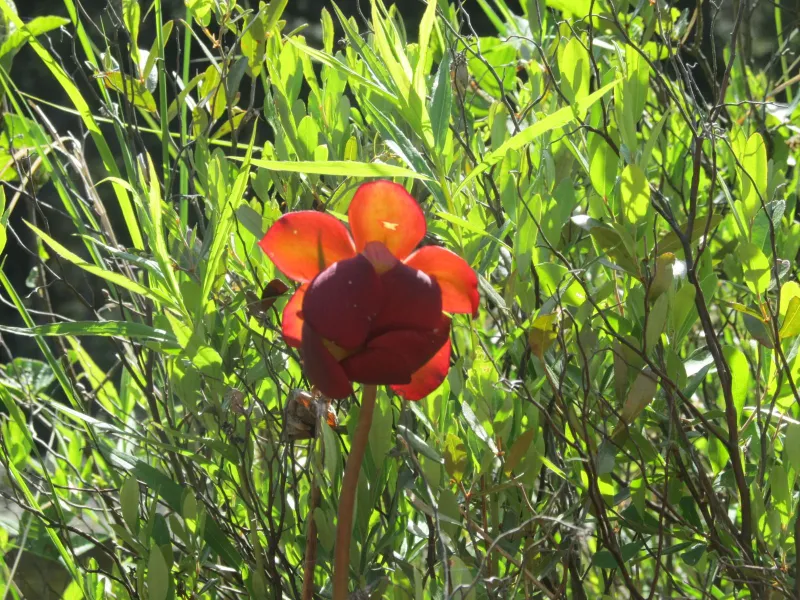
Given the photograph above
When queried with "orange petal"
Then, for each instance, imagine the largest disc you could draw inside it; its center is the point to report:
(428, 377)
(292, 325)
(382, 211)
(456, 278)
(303, 244)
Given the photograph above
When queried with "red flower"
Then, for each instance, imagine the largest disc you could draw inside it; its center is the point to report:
(369, 308)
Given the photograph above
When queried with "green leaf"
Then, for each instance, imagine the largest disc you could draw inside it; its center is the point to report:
(275, 9)
(543, 334)
(158, 241)
(791, 446)
(201, 10)
(573, 63)
(334, 63)
(29, 375)
(331, 445)
(189, 507)
(557, 280)
(779, 484)
(602, 165)
(757, 327)
(229, 203)
(670, 242)
(629, 103)
(635, 196)
(656, 319)
(609, 243)
(122, 329)
(550, 465)
(419, 444)
(129, 502)
(35, 27)
(789, 291)
(558, 119)
(379, 442)
(3, 219)
(753, 175)
(158, 578)
(16, 443)
(131, 16)
(641, 394)
(577, 8)
(691, 557)
(340, 168)
(327, 31)
(455, 456)
(426, 25)
(476, 427)
(518, 450)
(468, 226)
(307, 137)
(791, 322)
(462, 577)
(536, 14)
(683, 313)
(254, 45)
(208, 361)
(740, 376)
(22, 132)
(441, 105)
(173, 495)
(652, 140)
(325, 528)
(604, 559)
(110, 276)
(771, 214)
(756, 268)
(250, 220)
(131, 88)
(500, 57)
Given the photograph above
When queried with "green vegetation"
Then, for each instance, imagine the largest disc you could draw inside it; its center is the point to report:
(620, 420)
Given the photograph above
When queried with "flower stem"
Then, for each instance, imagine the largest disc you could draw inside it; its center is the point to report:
(344, 518)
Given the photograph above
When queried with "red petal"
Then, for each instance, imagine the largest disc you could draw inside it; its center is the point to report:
(382, 260)
(393, 357)
(303, 244)
(292, 324)
(342, 301)
(456, 278)
(272, 291)
(377, 365)
(321, 368)
(382, 211)
(411, 300)
(428, 377)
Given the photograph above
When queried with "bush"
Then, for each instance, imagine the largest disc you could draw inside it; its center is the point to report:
(621, 417)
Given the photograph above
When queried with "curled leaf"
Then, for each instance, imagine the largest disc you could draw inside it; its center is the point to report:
(639, 397)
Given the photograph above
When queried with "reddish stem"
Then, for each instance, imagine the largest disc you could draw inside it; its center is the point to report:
(347, 499)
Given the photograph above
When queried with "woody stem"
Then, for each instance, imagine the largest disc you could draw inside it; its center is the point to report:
(344, 518)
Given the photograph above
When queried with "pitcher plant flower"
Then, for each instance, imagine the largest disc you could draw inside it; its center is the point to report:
(370, 308)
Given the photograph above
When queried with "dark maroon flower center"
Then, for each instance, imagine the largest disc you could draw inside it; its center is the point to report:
(381, 326)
